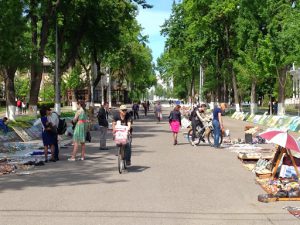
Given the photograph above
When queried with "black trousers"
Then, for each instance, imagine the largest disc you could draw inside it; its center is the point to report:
(56, 149)
(136, 114)
(196, 123)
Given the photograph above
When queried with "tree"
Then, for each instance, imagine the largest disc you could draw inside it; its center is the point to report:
(41, 14)
(283, 41)
(14, 49)
(242, 46)
(131, 63)
(22, 85)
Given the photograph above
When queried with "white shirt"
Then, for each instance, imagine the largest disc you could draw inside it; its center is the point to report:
(53, 118)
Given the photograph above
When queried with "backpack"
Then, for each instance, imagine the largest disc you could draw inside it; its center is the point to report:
(193, 114)
(170, 117)
(62, 125)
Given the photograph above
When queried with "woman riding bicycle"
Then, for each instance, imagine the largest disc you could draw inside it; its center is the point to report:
(125, 118)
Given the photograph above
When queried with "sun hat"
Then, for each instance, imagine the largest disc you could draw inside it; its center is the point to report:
(123, 107)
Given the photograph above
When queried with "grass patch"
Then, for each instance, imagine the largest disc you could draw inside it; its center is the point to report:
(24, 121)
(67, 114)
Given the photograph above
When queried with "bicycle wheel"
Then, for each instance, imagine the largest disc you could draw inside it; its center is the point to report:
(123, 156)
(121, 161)
(210, 138)
(197, 137)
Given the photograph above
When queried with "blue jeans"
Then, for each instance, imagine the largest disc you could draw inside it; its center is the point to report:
(217, 132)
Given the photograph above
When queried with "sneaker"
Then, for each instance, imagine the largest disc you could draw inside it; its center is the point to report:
(71, 159)
(128, 163)
(82, 159)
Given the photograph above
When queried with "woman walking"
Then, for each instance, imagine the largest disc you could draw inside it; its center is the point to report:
(175, 122)
(80, 131)
(157, 111)
(48, 135)
(218, 124)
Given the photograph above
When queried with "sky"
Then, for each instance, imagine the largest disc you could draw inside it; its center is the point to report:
(151, 20)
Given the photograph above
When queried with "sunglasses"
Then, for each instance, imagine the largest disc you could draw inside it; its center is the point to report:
(124, 110)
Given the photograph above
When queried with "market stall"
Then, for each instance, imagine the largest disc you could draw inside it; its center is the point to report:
(280, 188)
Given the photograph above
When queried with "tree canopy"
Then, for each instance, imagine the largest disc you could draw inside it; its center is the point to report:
(245, 48)
(104, 32)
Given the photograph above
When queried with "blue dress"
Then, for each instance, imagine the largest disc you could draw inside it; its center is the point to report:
(48, 136)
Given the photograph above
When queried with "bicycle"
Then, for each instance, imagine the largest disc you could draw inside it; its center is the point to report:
(201, 134)
(122, 137)
(121, 159)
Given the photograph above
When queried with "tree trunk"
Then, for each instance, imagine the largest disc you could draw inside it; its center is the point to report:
(35, 74)
(253, 104)
(230, 67)
(92, 75)
(9, 75)
(192, 90)
(39, 45)
(36, 78)
(224, 91)
(74, 101)
(282, 76)
(212, 100)
(235, 90)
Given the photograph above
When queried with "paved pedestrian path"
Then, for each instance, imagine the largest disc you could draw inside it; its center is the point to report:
(165, 185)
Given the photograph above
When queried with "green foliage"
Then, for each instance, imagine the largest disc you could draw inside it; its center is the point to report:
(22, 86)
(47, 93)
(74, 79)
(13, 41)
(159, 90)
(68, 114)
(132, 62)
(254, 41)
(45, 104)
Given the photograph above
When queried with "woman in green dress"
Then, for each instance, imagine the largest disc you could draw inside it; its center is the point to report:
(80, 130)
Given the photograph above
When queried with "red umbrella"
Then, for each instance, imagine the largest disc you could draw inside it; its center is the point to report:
(281, 138)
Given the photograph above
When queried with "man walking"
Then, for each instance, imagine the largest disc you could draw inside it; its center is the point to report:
(103, 123)
(54, 119)
(135, 109)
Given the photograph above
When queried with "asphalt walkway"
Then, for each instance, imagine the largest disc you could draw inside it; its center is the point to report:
(165, 185)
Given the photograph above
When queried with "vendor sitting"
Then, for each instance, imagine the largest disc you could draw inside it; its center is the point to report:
(3, 124)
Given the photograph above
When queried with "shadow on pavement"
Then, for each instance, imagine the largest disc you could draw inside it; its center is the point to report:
(137, 169)
(99, 166)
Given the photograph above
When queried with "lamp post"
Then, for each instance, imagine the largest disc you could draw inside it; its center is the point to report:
(108, 86)
(57, 83)
(201, 83)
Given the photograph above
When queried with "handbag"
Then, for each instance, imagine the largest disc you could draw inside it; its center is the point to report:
(160, 115)
(73, 124)
(52, 129)
(88, 136)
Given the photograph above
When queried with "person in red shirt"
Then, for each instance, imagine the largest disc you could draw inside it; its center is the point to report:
(19, 106)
